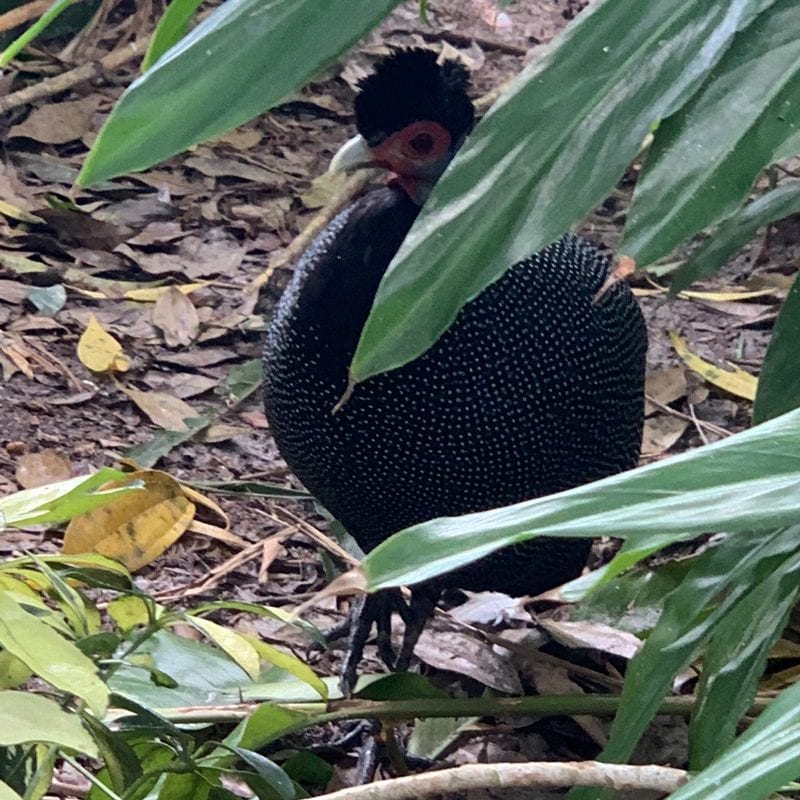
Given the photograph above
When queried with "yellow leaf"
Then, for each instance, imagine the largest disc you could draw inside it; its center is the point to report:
(100, 351)
(735, 381)
(202, 500)
(234, 644)
(128, 612)
(150, 295)
(136, 528)
(291, 664)
(17, 213)
(215, 532)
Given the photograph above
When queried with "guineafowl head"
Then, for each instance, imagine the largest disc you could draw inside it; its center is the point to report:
(412, 114)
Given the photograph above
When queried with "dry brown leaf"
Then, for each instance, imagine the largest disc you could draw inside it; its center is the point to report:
(163, 409)
(216, 167)
(222, 432)
(666, 385)
(176, 317)
(255, 418)
(181, 384)
(660, 433)
(39, 469)
(203, 258)
(13, 292)
(204, 357)
(57, 123)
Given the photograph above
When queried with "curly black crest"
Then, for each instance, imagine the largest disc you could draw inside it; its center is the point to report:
(410, 86)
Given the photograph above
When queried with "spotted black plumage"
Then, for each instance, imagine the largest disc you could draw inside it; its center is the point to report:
(534, 389)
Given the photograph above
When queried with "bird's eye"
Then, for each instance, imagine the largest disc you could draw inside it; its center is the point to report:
(422, 143)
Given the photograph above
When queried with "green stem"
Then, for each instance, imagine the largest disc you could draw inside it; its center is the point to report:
(21, 42)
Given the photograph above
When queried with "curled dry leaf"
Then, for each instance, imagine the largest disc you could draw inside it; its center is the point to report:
(138, 526)
(660, 433)
(99, 351)
(665, 386)
(175, 315)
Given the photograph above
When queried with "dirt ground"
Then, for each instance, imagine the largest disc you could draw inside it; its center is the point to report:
(219, 215)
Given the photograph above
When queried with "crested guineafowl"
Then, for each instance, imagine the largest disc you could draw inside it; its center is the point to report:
(537, 386)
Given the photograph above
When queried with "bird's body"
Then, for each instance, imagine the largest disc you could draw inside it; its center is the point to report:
(536, 387)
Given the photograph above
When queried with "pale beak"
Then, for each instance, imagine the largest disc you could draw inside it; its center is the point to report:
(352, 155)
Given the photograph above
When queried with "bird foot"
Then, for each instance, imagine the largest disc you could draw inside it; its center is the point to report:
(377, 609)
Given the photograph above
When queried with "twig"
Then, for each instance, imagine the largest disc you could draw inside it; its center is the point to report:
(20, 15)
(457, 780)
(71, 78)
(709, 426)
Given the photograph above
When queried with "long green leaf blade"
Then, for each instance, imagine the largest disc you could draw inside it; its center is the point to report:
(761, 760)
(747, 482)
(735, 660)
(727, 572)
(548, 151)
(734, 232)
(244, 58)
(705, 157)
(779, 382)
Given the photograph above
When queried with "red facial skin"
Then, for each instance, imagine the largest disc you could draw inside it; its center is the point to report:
(416, 156)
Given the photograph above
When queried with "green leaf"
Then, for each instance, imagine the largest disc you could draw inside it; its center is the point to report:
(724, 574)
(28, 718)
(247, 56)
(735, 660)
(779, 382)
(734, 232)
(706, 156)
(7, 793)
(49, 655)
(171, 27)
(231, 642)
(266, 724)
(268, 771)
(58, 502)
(761, 761)
(549, 150)
(745, 482)
(290, 663)
(400, 686)
(202, 674)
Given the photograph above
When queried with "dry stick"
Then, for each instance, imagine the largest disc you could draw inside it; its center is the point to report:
(520, 776)
(60, 83)
(709, 426)
(18, 16)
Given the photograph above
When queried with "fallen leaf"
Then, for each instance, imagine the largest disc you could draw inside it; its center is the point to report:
(216, 167)
(736, 381)
(666, 385)
(660, 433)
(182, 385)
(137, 527)
(39, 469)
(99, 351)
(57, 123)
(155, 293)
(163, 409)
(255, 418)
(176, 317)
(203, 357)
(13, 292)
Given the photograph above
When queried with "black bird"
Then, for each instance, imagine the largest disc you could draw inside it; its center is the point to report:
(537, 387)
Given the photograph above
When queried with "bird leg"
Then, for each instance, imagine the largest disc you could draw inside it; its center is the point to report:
(378, 609)
(374, 608)
(415, 615)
